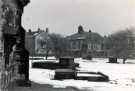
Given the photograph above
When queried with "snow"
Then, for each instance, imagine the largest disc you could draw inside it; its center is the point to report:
(122, 76)
(86, 74)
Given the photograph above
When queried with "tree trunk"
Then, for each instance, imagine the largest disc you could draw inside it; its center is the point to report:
(47, 54)
(124, 60)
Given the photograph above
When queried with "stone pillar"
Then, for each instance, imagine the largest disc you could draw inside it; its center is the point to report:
(11, 32)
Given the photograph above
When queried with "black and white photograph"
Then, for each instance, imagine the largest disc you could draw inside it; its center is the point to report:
(67, 45)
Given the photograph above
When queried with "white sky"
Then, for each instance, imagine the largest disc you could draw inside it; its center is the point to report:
(64, 16)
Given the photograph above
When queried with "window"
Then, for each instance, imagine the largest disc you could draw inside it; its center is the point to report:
(89, 46)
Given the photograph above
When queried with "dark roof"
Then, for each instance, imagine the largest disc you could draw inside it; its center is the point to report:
(85, 35)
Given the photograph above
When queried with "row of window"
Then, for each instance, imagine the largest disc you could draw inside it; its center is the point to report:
(78, 45)
(94, 46)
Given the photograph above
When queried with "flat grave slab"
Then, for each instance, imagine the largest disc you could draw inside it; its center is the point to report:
(92, 76)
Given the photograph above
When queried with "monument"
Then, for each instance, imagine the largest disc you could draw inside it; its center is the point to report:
(13, 55)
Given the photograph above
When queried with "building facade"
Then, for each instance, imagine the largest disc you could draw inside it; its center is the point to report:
(131, 45)
(85, 43)
(38, 43)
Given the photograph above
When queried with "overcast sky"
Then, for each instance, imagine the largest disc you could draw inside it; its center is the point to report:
(64, 16)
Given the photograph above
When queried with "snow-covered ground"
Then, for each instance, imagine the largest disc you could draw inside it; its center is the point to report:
(122, 76)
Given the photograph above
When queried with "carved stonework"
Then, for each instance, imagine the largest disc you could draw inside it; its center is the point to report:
(12, 36)
(11, 14)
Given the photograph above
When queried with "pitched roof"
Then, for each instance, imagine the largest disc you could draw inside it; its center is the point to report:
(85, 35)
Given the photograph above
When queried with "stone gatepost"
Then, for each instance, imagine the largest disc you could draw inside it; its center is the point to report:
(12, 49)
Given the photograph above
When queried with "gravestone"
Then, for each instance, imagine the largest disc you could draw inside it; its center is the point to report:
(66, 69)
(67, 62)
(112, 60)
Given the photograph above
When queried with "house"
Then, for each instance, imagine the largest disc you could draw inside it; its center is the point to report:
(43, 43)
(38, 42)
(85, 43)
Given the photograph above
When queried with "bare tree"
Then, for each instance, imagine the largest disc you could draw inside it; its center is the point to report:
(121, 44)
(60, 45)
